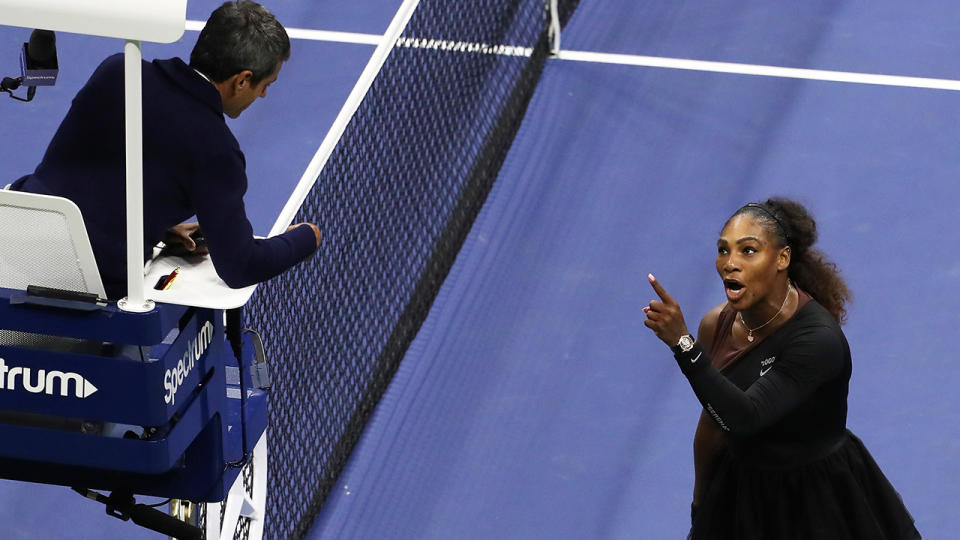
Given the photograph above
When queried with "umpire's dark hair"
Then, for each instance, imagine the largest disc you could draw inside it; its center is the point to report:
(239, 36)
(810, 269)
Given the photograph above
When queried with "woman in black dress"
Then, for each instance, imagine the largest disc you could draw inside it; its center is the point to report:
(772, 455)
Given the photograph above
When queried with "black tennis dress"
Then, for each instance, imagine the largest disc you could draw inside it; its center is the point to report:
(790, 469)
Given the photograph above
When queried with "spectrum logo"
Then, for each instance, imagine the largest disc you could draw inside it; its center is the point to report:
(44, 382)
(173, 378)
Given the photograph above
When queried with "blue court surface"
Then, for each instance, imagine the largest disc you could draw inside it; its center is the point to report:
(533, 403)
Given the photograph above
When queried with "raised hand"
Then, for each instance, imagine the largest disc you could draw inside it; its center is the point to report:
(664, 316)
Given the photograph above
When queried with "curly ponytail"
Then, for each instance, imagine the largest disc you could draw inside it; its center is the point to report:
(810, 269)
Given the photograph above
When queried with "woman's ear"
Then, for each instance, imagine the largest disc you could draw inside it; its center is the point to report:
(783, 258)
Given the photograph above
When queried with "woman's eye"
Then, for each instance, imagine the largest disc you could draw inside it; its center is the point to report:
(721, 251)
(749, 251)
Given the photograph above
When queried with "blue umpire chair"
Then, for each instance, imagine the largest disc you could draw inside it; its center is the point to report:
(162, 397)
(160, 403)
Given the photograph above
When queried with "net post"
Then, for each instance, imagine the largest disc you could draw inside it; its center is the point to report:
(133, 115)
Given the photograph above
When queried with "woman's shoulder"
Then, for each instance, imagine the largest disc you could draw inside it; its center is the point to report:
(814, 327)
(813, 314)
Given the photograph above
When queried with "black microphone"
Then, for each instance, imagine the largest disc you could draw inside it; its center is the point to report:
(38, 65)
(38, 59)
(43, 46)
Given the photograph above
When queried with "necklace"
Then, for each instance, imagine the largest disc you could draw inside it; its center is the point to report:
(750, 331)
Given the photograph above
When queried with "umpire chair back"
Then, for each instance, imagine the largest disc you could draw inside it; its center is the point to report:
(43, 241)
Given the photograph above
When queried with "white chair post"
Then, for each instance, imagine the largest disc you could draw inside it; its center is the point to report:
(133, 113)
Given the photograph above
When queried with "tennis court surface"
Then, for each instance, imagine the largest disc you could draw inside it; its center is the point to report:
(532, 402)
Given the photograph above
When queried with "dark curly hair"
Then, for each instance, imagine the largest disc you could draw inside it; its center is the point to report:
(810, 269)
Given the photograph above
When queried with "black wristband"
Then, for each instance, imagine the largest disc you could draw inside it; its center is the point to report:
(690, 360)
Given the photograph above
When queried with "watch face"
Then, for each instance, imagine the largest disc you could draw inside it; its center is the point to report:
(686, 343)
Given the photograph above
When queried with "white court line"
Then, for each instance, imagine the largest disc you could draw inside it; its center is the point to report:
(339, 37)
(313, 35)
(761, 70)
(410, 42)
(634, 60)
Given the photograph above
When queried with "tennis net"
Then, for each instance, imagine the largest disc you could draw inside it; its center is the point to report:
(395, 202)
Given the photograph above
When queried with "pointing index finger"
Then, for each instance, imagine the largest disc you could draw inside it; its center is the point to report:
(658, 288)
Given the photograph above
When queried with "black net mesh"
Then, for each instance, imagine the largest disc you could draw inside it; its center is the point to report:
(395, 202)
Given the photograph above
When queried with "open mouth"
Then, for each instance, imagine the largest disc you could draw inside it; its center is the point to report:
(733, 288)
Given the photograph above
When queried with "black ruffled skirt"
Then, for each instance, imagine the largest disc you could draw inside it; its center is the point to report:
(843, 495)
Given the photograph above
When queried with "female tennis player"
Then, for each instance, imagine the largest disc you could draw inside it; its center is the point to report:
(772, 454)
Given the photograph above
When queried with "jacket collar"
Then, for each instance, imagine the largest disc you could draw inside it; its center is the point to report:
(191, 82)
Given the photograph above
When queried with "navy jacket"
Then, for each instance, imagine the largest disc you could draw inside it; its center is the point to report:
(192, 165)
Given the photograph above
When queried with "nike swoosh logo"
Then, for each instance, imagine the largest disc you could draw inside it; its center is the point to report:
(694, 361)
(764, 371)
